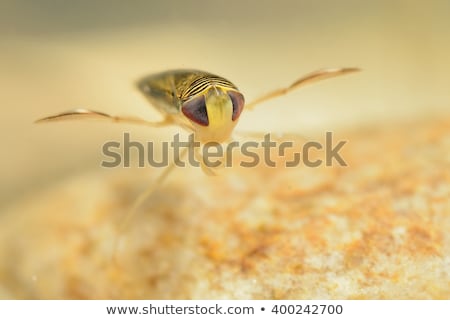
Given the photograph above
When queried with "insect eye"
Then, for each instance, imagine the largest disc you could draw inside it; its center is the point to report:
(195, 110)
(238, 103)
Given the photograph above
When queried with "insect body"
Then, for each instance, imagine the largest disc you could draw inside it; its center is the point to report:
(204, 103)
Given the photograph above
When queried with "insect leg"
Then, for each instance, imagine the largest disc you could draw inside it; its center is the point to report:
(207, 170)
(140, 200)
(307, 79)
(82, 114)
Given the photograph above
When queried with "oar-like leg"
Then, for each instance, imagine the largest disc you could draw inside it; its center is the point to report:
(309, 78)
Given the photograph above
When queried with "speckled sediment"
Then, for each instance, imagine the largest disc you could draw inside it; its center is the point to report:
(376, 229)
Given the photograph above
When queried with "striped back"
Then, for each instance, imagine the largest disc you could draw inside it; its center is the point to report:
(203, 82)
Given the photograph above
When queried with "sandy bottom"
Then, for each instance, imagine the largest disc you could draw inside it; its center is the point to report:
(376, 229)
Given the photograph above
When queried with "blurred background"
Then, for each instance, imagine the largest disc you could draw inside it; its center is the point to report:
(59, 55)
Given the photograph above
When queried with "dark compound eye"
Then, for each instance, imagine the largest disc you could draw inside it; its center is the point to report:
(238, 103)
(195, 110)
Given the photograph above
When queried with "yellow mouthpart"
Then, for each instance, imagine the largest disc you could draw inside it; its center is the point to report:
(219, 108)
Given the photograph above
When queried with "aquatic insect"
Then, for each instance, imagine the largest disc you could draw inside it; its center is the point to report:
(200, 102)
